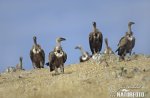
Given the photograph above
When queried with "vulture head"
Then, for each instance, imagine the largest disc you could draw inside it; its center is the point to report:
(129, 27)
(59, 39)
(129, 36)
(36, 47)
(95, 34)
(130, 23)
(58, 51)
(94, 24)
(34, 40)
(84, 54)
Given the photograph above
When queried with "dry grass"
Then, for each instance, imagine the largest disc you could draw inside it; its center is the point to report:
(85, 80)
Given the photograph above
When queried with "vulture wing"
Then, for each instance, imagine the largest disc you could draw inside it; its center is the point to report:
(101, 41)
(133, 42)
(31, 55)
(91, 42)
(51, 57)
(43, 56)
(122, 42)
(51, 60)
(64, 57)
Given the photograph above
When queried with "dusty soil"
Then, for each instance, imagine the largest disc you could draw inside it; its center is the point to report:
(91, 79)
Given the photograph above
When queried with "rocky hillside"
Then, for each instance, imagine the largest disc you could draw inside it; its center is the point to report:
(92, 79)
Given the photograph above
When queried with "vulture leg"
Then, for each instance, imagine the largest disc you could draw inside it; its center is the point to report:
(130, 52)
(41, 65)
(62, 68)
(56, 71)
(33, 64)
(94, 51)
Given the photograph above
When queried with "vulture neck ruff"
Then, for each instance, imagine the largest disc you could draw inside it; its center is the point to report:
(84, 57)
(36, 51)
(59, 54)
(130, 38)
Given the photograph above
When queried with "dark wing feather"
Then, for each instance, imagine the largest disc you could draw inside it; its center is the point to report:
(91, 42)
(43, 56)
(65, 57)
(51, 60)
(51, 57)
(122, 42)
(31, 55)
(133, 43)
(101, 41)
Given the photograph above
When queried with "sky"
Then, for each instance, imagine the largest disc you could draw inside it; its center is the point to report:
(20, 20)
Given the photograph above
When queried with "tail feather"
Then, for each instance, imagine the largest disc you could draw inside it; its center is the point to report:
(117, 50)
(51, 66)
(47, 64)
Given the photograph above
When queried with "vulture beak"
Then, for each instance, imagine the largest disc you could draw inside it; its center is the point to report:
(62, 39)
(94, 24)
(131, 23)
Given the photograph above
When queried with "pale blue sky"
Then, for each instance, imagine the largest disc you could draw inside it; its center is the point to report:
(20, 20)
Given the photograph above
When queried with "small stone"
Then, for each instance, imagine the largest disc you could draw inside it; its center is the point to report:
(20, 76)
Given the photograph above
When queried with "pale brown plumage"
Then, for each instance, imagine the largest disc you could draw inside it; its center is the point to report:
(126, 43)
(57, 57)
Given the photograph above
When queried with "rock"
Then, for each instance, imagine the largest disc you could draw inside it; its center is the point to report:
(20, 76)
(10, 69)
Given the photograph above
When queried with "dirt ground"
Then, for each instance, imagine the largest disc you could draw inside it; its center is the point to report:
(91, 79)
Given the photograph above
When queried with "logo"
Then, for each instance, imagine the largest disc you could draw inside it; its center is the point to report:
(131, 94)
(127, 92)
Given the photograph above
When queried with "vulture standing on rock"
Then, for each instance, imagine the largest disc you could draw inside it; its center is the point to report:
(126, 43)
(57, 57)
(85, 55)
(37, 55)
(107, 50)
(95, 40)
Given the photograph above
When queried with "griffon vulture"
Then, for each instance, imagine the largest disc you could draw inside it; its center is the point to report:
(37, 55)
(57, 57)
(95, 40)
(85, 55)
(108, 50)
(126, 43)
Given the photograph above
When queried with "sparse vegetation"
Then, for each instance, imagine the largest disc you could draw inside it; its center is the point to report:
(91, 79)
